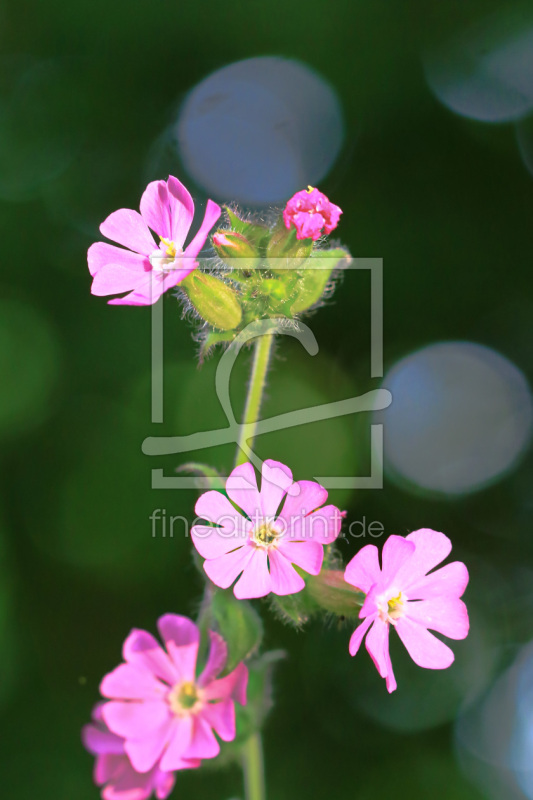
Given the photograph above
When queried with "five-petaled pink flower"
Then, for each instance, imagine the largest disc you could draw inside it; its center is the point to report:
(264, 544)
(113, 770)
(146, 269)
(401, 593)
(311, 213)
(166, 716)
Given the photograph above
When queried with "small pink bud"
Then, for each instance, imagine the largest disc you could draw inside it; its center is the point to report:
(311, 213)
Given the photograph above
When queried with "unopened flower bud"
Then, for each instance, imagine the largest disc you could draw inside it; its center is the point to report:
(284, 251)
(235, 249)
(214, 300)
(314, 278)
(311, 214)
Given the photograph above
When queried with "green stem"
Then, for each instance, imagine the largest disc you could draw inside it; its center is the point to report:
(263, 350)
(252, 753)
(252, 764)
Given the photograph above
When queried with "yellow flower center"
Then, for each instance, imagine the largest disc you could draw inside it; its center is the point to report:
(391, 609)
(183, 698)
(171, 248)
(265, 535)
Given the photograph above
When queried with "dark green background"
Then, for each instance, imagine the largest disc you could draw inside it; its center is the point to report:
(448, 205)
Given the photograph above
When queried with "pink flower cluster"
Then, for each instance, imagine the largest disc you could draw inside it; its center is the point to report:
(264, 543)
(146, 269)
(160, 717)
(405, 594)
(311, 213)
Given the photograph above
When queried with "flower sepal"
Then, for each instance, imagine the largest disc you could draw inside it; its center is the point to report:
(283, 244)
(331, 593)
(215, 301)
(314, 278)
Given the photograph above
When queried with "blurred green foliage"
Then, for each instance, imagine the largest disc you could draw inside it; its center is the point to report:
(85, 89)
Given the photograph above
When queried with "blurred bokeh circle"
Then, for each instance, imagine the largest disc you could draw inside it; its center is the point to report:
(258, 130)
(461, 415)
(485, 71)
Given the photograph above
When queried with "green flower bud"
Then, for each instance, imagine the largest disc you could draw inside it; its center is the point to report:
(215, 301)
(285, 250)
(236, 250)
(314, 278)
(254, 232)
(330, 592)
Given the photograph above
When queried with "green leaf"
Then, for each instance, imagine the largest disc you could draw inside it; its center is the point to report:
(212, 339)
(239, 624)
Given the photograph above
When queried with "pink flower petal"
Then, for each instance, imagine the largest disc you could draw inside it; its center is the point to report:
(447, 615)
(218, 655)
(307, 555)
(182, 639)
(241, 488)
(146, 293)
(284, 578)
(232, 686)
(101, 254)
(164, 781)
(214, 542)
(113, 279)
(155, 209)
(212, 213)
(323, 526)
(310, 496)
(144, 753)
(255, 579)
(370, 605)
(276, 478)
(129, 785)
(135, 720)
(203, 741)
(128, 682)
(179, 742)
(450, 581)
(377, 645)
(182, 211)
(396, 552)
(224, 570)
(358, 635)
(143, 651)
(363, 571)
(101, 742)
(221, 717)
(108, 766)
(432, 547)
(390, 680)
(424, 648)
(128, 228)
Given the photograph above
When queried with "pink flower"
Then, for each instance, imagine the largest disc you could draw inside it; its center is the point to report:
(311, 213)
(165, 715)
(146, 269)
(401, 593)
(264, 544)
(113, 769)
